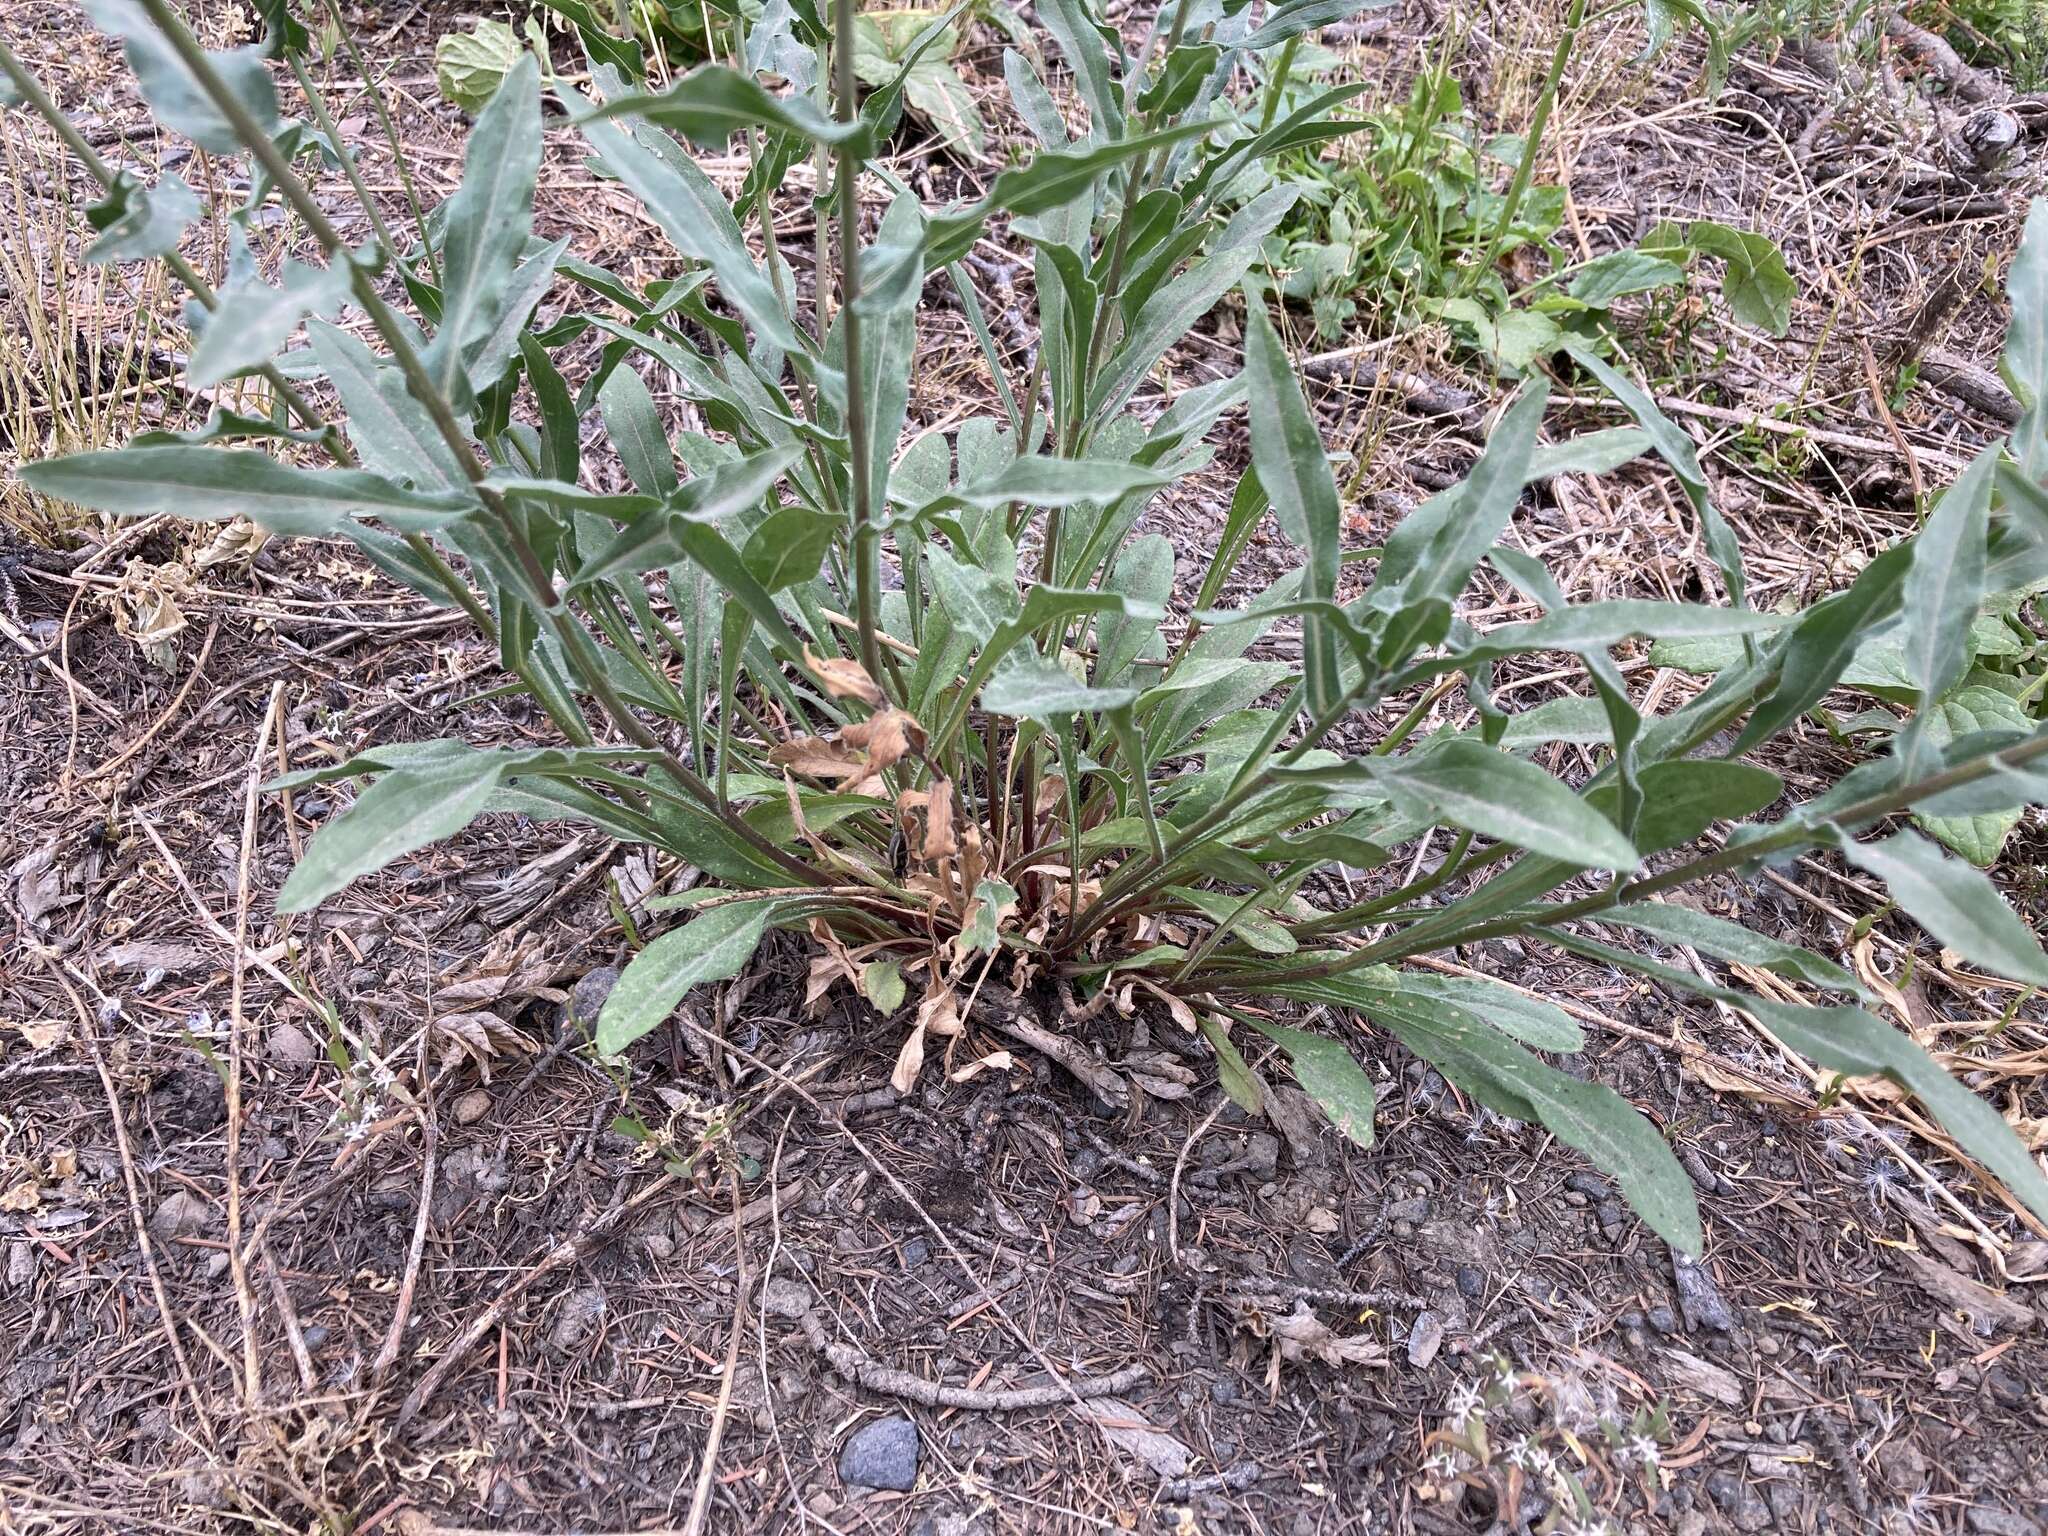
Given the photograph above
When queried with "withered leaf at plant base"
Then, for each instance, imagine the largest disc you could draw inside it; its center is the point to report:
(844, 678)
(887, 736)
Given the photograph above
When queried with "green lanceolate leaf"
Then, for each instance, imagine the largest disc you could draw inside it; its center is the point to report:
(712, 103)
(211, 485)
(404, 810)
(1328, 1074)
(1685, 796)
(693, 214)
(712, 946)
(2026, 343)
(1294, 17)
(1678, 451)
(1507, 1078)
(1606, 278)
(254, 319)
(1233, 1073)
(1954, 902)
(1543, 1026)
(1858, 1043)
(1946, 581)
(1036, 689)
(1732, 942)
(1431, 553)
(1492, 793)
(1824, 643)
(1287, 452)
(175, 96)
(1087, 56)
(392, 432)
(1851, 1041)
(1033, 481)
(487, 222)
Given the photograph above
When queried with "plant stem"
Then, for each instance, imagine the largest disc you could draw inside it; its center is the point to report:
(1797, 834)
(575, 641)
(1525, 167)
(1276, 83)
(332, 442)
(398, 156)
(867, 552)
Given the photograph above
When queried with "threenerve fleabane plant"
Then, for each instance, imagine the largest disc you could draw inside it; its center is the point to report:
(914, 699)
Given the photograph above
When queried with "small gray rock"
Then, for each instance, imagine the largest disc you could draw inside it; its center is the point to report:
(181, 1214)
(587, 997)
(1471, 1283)
(881, 1455)
(785, 1297)
(1698, 1297)
(1424, 1340)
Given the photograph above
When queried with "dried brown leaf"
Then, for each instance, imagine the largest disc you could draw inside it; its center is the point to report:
(844, 678)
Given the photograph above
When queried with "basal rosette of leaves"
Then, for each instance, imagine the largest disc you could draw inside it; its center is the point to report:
(916, 700)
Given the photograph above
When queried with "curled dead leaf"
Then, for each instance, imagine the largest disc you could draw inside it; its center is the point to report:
(843, 678)
(816, 758)
(886, 736)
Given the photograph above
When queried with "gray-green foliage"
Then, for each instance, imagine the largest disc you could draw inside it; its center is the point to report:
(1007, 755)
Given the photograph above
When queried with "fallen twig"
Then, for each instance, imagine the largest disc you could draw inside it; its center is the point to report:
(850, 1361)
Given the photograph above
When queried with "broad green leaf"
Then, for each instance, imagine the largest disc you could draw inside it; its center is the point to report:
(404, 810)
(1606, 278)
(1287, 452)
(1492, 793)
(1543, 1026)
(789, 546)
(881, 983)
(1233, 1073)
(392, 432)
(1756, 284)
(712, 946)
(212, 485)
(992, 898)
(712, 103)
(1979, 833)
(1732, 942)
(1953, 902)
(1036, 689)
(137, 222)
(175, 96)
(1328, 1074)
(486, 224)
(1685, 796)
(469, 67)
(1946, 581)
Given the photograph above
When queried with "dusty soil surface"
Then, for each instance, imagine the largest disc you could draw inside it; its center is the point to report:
(339, 1228)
